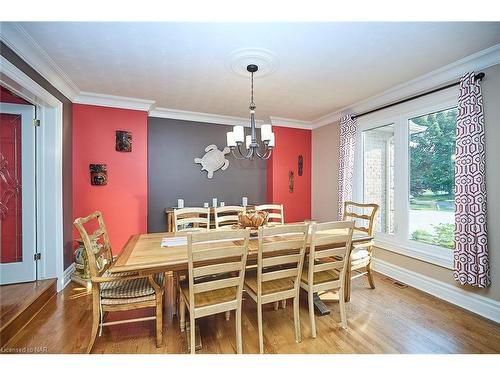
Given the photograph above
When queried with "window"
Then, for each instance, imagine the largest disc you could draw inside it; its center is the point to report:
(378, 174)
(432, 177)
(405, 164)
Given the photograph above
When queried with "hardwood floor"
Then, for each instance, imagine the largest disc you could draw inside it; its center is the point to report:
(388, 319)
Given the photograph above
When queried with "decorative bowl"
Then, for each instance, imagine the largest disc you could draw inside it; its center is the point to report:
(252, 219)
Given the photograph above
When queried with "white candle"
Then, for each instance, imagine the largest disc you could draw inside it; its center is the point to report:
(214, 202)
(180, 203)
(265, 132)
(222, 204)
(230, 139)
(239, 133)
(248, 140)
(244, 201)
(205, 204)
(271, 140)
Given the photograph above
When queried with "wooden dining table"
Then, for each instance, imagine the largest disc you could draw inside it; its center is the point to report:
(144, 254)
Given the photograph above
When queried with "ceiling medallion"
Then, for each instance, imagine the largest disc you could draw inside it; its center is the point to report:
(239, 60)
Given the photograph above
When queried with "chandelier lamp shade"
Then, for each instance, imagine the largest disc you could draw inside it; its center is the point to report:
(247, 147)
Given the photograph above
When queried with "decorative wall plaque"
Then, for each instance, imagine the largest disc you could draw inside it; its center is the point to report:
(290, 181)
(123, 141)
(301, 165)
(98, 174)
(213, 160)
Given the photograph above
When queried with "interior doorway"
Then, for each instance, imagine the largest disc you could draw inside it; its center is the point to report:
(17, 191)
(46, 136)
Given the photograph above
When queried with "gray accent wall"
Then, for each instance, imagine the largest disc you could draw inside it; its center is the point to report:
(172, 173)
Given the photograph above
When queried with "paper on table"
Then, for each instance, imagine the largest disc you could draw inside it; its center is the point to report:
(173, 241)
(182, 241)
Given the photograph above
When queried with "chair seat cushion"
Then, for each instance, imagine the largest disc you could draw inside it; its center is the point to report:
(211, 297)
(358, 254)
(130, 288)
(268, 287)
(320, 277)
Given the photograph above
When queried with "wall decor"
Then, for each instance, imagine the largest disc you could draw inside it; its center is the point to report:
(98, 174)
(213, 160)
(301, 165)
(290, 181)
(123, 141)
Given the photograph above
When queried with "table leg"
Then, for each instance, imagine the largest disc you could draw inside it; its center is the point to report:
(347, 293)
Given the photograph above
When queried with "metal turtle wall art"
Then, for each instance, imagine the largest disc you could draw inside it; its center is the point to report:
(213, 160)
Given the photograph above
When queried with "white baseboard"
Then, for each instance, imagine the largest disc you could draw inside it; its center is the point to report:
(480, 305)
(67, 274)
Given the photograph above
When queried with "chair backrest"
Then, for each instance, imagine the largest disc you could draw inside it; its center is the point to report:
(227, 215)
(275, 212)
(96, 243)
(281, 255)
(191, 219)
(217, 260)
(364, 212)
(329, 249)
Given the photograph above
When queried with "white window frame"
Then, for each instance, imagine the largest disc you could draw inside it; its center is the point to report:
(400, 242)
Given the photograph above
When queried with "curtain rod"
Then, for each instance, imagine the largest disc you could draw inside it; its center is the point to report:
(478, 77)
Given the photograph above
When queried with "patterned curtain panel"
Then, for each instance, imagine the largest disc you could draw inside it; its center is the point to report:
(471, 247)
(346, 160)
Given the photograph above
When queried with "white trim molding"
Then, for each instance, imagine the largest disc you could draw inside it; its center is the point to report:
(290, 123)
(487, 307)
(113, 101)
(67, 275)
(208, 118)
(442, 76)
(18, 39)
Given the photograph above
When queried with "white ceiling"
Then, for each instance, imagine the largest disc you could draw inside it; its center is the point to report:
(321, 67)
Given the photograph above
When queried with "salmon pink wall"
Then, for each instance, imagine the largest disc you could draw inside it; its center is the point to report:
(290, 143)
(123, 201)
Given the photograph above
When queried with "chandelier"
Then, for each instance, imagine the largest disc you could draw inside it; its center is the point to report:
(236, 138)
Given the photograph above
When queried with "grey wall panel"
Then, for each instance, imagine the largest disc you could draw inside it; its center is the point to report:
(172, 173)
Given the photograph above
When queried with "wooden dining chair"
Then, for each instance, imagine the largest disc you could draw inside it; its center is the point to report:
(279, 266)
(227, 215)
(191, 219)
(276, 215)
(363, 215)
(329, 248)
(216, 262)
(116, 292)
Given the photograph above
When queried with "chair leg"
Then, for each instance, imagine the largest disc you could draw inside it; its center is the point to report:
(296, 319)
(182, 313)
(276, 305)
(369, 273)
(239, 343)
(312, 318)
(283, 304)
(95, 318)
(228, 315)
(159, 321)
(192, 332)
(261, 333)
(343, 316)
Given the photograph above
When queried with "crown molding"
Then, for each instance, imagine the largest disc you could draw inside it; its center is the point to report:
(103, 100)
(290, 123)
(18, 39)
(208, 118)
(449, 73)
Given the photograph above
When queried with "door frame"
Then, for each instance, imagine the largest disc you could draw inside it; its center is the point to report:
(49, 160)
